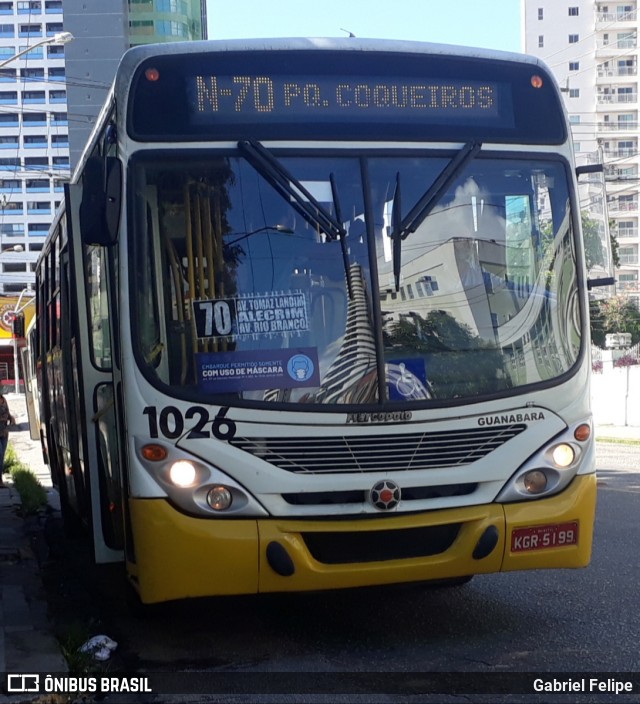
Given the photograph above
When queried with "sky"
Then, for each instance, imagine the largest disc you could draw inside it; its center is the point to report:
(491, 24)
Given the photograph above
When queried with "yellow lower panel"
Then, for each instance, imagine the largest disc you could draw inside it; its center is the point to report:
(457, 561)
(180, 556)
(576, 504)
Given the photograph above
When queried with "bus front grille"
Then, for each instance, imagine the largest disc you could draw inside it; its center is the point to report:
(418, 493)
(376, 453)
(377, 546)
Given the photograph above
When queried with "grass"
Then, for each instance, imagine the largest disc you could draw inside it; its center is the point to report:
(618, 441)
(33, 496)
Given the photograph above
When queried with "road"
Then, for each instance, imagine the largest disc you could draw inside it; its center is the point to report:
(570, 620)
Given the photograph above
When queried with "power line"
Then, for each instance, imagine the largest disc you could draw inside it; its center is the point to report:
(593, 34)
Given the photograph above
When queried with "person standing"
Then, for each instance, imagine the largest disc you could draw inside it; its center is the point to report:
(6, 419)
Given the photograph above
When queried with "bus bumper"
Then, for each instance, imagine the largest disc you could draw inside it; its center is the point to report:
(179, 556)
(575, 505)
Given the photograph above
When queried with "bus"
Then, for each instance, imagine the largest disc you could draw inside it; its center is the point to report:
(313, 315)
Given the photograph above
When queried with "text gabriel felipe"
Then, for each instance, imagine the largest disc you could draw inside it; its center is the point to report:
(592, 684)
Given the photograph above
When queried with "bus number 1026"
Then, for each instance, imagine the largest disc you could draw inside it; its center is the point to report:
(170, 423)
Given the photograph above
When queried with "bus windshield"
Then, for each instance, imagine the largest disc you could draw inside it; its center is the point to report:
(326, 279)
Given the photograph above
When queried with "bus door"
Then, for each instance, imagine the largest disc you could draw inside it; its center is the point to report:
(31, 383)
(94, 364)
(73, 489)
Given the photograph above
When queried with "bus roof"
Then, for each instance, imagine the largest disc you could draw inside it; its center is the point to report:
(135, 55)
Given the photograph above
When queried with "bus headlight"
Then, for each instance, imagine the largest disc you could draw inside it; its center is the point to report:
(563, 455)
(192, 485)
(219, 498)
(182, 473)
(552, 468)
(535, 481)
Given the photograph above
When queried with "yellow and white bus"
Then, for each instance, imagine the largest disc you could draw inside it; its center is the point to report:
(314, 315)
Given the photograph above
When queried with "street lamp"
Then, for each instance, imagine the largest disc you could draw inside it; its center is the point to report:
(59, 38)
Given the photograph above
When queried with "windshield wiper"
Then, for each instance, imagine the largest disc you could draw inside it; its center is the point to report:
(343, 234)
(292, 190)
(396, 224)
(420, 211)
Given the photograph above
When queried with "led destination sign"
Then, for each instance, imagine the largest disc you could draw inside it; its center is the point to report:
(341, 95)
(329, 97)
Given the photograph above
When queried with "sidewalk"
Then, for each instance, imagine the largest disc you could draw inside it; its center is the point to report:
(27, 643)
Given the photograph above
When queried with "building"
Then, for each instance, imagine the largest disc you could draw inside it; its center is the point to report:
(103, 30)
(34, 142)
(592, 48)
(50, 96)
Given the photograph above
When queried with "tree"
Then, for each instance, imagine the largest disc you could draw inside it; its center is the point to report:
(593, 250)
(613, 233)
(616, 314)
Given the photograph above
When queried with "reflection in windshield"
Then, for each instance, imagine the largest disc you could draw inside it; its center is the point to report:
(287, 293)
(403, 226)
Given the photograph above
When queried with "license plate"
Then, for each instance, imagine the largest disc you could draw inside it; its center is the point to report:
(541, 537)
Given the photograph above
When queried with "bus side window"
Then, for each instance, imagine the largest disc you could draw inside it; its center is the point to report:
(185, 222)
(98, 305)
(148, 293)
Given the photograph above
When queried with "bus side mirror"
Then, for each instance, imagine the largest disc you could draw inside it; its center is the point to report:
(589, 169)
(101, 200)
(113, 197)
(595, 283)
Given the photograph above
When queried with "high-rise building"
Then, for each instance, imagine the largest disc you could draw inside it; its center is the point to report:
(103, 30)
(34, 142)
(50, 96)
(592, 48)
